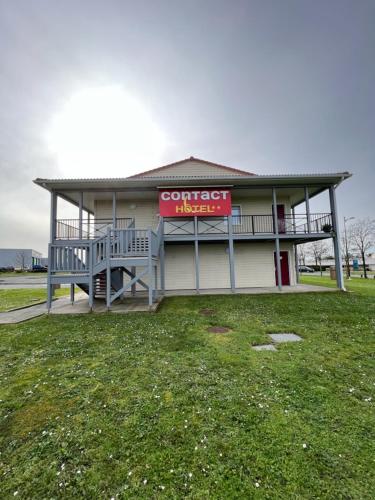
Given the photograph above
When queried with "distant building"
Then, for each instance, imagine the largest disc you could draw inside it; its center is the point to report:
(19, 258)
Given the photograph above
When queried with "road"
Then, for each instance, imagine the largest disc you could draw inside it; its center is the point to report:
(32, 281)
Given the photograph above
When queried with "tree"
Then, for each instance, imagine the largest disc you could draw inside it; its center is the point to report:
(347, 251)
(21, 259)
(318, 250)
(362, 234)
(301, 255)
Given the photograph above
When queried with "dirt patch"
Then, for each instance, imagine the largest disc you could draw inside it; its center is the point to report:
(207, 312)
(218, 329)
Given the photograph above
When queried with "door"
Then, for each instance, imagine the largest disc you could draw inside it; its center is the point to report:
(280, 218)
(284, 261)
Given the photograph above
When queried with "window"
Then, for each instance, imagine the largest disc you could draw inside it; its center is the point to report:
(236, 214)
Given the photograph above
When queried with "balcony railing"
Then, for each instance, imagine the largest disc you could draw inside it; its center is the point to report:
(69, 229)
(250, 224)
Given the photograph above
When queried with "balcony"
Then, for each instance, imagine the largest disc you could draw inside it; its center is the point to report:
(69, 229)
(249, 225)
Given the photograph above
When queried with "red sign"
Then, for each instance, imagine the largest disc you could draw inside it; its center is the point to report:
(190, 202)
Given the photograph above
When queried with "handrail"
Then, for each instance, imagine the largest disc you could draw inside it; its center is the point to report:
(71, 229)
(249, 224)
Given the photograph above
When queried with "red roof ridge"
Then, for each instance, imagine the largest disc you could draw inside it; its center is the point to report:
(206, 162)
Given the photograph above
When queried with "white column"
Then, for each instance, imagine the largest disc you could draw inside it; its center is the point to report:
(307, 203)
(277, 240)
(114, 210)
(80, 210)
(336, 239)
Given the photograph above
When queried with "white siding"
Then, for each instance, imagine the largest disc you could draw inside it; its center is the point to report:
(193, 168)
(258, 205)
(214, 265)
(179, 267)
(145, 212)
(254, 264)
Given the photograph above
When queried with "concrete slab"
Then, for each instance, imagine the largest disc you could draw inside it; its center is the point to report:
(81, 306)
(253, 290)
(285, 337)
(63, 305)
(265, 347)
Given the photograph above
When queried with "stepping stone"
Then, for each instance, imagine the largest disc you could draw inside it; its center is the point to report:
(266, 347)
(285, 337)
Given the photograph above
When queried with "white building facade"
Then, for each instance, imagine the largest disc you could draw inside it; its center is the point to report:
(190, 225)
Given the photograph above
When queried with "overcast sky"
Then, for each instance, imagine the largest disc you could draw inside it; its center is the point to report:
(265, 86)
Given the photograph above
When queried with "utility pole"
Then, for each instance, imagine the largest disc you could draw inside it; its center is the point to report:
(346, 219)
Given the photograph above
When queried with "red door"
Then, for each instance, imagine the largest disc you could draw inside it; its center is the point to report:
(284, 261)
(281, 218)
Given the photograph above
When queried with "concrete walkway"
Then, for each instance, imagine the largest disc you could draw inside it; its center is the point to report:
(139, 303)
(63, 305)
(26, 313)
(253, 291)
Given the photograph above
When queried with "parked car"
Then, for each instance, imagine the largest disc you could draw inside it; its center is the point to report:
(37, 268)
(305, 269)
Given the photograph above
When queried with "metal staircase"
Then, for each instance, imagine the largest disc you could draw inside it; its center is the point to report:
(99, 266)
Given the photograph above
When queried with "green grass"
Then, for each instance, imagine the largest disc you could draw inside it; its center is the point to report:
(21, 297)
(358, 285)
(153, 406)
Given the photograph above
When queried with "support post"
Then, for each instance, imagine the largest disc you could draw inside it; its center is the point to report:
(150, 273)
(72, 293)
(114, 210)
(336, 239)
(49, 285)
(162, 258)
(296, 263)
(53, 222)
(80, 216)
(91, 276)
(133, 288)
(108, 281)
(294, 220)
(53, 216)
(307, 203)
(231, 254)
(277, 239)
(196, 254)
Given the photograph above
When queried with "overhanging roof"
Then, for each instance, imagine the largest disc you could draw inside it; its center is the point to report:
(128, 183)
(69, 188)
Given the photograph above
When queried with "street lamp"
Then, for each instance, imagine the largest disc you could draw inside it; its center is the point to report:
(347, 219)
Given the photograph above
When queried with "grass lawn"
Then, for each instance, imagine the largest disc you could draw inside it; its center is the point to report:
(20, 297)
(154, 406)
(359, 285)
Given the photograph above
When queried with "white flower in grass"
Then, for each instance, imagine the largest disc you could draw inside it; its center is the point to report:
(257, 485)
(145, 481)
(15, 493)
(129, 473)
(351, 389)
(190, 474)
(162, 487)
(304, 445)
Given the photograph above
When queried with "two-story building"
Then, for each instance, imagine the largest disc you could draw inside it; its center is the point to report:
(190, 225)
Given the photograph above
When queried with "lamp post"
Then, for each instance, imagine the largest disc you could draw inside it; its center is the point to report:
(346, 219)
